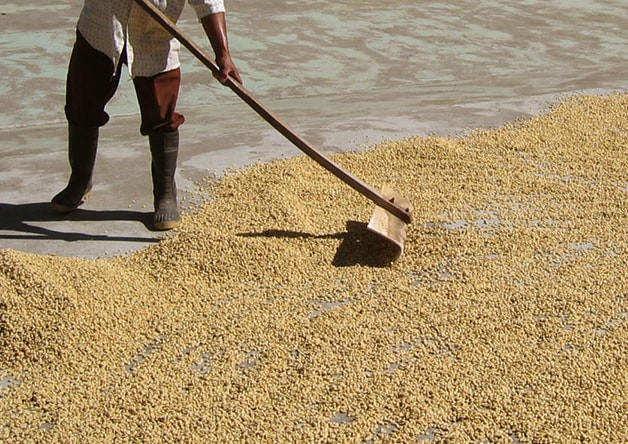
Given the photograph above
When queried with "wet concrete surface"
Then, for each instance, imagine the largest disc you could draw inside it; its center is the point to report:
(345, 75)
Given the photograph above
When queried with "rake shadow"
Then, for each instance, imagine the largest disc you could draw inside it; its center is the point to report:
(359, 246)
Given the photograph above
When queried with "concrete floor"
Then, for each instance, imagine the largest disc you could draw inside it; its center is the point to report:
(345, 75)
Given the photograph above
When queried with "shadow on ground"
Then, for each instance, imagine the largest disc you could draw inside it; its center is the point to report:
(359, 246)
(25, 221)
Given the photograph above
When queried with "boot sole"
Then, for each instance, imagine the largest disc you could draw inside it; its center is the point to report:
(61, 208)
(167, 224)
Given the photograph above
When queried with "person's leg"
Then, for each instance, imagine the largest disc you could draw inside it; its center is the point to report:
(91, 82)
(157, 96)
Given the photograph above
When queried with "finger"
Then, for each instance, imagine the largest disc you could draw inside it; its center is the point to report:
(236, 75)
(221, 77)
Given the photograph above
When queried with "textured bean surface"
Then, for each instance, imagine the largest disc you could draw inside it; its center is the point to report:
(272, 316)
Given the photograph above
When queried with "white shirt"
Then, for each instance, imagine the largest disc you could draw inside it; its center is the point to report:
(109, 25)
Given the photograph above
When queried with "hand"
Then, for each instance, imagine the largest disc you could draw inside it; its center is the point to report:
(227, 69)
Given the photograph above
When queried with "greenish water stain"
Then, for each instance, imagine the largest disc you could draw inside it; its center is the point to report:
(300, 49)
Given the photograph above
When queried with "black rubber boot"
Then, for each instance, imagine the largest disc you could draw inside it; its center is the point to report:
(82, 146)
(164, 148)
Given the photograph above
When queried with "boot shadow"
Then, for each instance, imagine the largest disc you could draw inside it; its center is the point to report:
(24, 221)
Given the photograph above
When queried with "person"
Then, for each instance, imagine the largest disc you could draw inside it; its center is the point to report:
(110, 33)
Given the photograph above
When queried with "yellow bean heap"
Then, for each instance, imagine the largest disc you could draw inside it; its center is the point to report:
(273, 316)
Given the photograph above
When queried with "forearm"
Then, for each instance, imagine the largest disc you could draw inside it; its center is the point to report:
(215, 26)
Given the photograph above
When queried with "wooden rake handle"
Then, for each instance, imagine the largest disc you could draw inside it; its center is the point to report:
(274, 121)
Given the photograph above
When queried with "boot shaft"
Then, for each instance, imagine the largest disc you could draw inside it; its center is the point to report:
(82, 148)
(164, 148)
